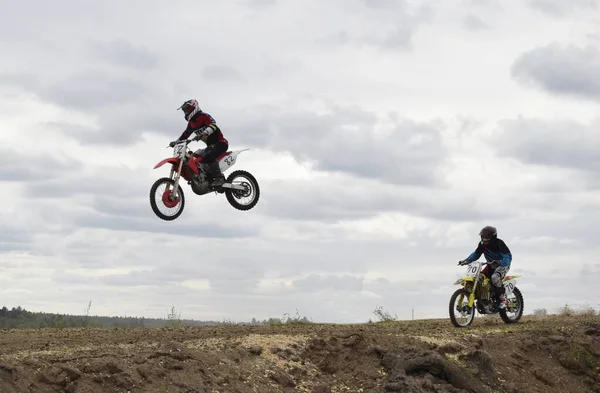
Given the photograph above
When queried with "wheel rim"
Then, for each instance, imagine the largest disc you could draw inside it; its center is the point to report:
(463, 314)
(163, 201)
(167, 201)
(249, 192)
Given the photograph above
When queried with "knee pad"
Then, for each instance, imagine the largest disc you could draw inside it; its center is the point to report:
(497, 281)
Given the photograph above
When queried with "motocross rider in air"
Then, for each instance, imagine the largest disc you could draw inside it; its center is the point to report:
(498, 255)
(205, 126)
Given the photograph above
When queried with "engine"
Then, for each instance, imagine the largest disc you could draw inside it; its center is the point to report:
(199, 184)
(483, 291)
(484, 303)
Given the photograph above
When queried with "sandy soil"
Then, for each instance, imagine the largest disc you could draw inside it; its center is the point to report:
(539, 354)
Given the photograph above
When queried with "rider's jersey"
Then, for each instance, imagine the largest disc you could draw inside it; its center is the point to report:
(495, 250)
(203, 120)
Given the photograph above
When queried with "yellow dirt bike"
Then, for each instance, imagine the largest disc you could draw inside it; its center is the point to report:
(476, 294)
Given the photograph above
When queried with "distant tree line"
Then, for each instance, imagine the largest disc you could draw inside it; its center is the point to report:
(19, 318)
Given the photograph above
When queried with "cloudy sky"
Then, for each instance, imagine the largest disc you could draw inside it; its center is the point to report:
(384, 135)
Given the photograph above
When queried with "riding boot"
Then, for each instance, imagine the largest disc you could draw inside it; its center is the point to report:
(499, 296)
(215, 172)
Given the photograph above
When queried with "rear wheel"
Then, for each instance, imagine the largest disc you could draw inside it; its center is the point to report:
(461, 314)
(246, 199)
(514, 309)
(162, 202)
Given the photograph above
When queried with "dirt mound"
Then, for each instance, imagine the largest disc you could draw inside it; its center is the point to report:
(550, 354)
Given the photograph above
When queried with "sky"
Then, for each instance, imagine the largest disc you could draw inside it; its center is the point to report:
(384, 135)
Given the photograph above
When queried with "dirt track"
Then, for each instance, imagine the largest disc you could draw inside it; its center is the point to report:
(549, 354)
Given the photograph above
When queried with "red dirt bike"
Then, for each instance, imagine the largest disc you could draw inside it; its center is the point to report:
(189, 166)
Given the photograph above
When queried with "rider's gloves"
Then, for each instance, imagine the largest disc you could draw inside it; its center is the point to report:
(204, 134)
(199, 137)
(172, 144)
(464, 262)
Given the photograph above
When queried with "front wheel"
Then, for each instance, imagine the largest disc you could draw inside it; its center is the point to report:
(162, 199)
(514, 310)
(459, 304)
(243, 200)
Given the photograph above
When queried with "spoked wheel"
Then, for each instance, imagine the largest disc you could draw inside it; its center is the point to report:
(243, 200)
(515, 307)
(162, 201)
(461, 314)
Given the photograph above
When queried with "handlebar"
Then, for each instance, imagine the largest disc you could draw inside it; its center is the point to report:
(187, 142)
(482, 262)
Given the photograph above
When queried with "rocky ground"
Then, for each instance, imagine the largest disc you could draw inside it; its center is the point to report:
(539, 354)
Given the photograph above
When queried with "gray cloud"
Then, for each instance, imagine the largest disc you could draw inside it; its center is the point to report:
(90, 91)
(123, 53)
(16, 166)
(570, 70)
(133, 207)
(346, 140)
(318, 282)
(282, 69)
(569, 228)
(113, 104)
(473, 22)
(25, 224)
(112, 101)
(561, 8)
(484, 3)
(87, 90)
(258, 4)
(109, 181)
(557, 143)
(130, 215)
(585, 291)
(385, 4)
(13, 238)
(396, 24)
(243, 273)
(151, 224)
(120, 126)
(161, 275)
(221, 73)
(397, 38)
(314, 200)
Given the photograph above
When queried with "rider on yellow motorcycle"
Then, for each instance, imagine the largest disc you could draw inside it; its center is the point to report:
(499, 258)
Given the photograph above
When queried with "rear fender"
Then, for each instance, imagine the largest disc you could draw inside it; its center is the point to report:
(228, 160)
(509, 286)
(171, 160)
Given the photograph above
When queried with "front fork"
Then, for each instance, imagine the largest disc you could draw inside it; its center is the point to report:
(471, 296)
(471, 299)
(175, 194)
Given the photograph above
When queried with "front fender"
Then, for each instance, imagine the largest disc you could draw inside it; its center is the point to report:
(464, 280)
(171, 160)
